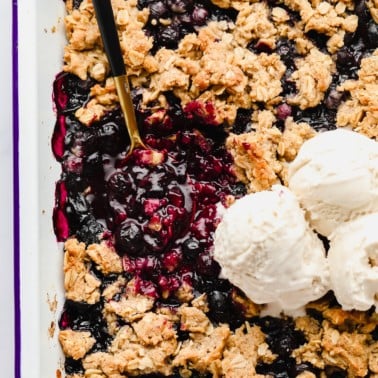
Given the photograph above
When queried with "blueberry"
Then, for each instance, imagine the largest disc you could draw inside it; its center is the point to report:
(218, 301)
(158, 10)
(280, 368)
(72, 164)
(372, 34)
(333, 99)
(74, 90)
(375, 333)
(121, 184)
(111, 140)
(206, 265)
(348, 60)
(72, 366)
(82, 142)
(179, 6)
(84, 317)
(92, 166)
(191, 248)
(285, 48)
(199, 15)
(90, 230)
(181, 19)
(239, 190)
(282, 336)
(170, 36)
(228, 15)
(320, 118)
(129, 238)
(243, 121)
(362, 11)
(320, 40)
(283, 111)
(76, 3)
(74, 182)
(77, 210)
(144, 3)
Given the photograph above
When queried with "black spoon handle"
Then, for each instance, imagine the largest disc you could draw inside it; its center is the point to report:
(105, 19)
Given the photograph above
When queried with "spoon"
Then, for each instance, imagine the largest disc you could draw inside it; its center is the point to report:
(105, 19)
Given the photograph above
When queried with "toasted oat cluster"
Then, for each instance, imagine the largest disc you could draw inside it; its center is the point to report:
(225, 92)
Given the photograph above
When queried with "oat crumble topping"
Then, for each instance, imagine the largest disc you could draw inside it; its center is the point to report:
(360, 111)
(221, 64)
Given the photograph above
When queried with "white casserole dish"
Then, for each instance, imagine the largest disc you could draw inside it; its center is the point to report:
(39, 285)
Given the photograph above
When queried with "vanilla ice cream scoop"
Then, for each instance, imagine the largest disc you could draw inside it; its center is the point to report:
(335, 178)
(353, 261)
(265, 247)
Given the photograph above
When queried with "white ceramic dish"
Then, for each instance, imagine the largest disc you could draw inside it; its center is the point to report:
(40, 49)
(6, 198)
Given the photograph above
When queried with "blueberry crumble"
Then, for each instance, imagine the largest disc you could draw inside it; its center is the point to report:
(225, 92)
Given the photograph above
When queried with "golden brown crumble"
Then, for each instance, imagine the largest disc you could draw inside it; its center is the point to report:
(243, 349)
(313, 77)
(76, 344)
(373, 7)
(360, 111)
(145, 338)
(342, 339)
(105, 257)
(79, 283)
(148, 342)
(193, 72)
(261, 156)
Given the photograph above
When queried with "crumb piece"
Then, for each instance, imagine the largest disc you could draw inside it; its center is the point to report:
(117, 287)
(373, 358)
(51, 329)
(348, 351)
(306, 374)
(153, 329)
(253, 23)
(249, 308)
(203, 352)
(243, 349)
(312, 78)
(194, 320)
(76, 344)
(261, 156)
(311, 350)
(102, 99)
(130, 308)
(201, 303)
(329, 346)
(53, 303)
(92, 112)
(324, 17)
(84, 55)
(185, 293)
(294, 135)
(339, 317)
(146, 346)
(373, 7)
(79, 283)
(255, 154)
(105, 258)
(360, 111)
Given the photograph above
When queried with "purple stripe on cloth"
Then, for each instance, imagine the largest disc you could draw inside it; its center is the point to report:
(16, 196)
